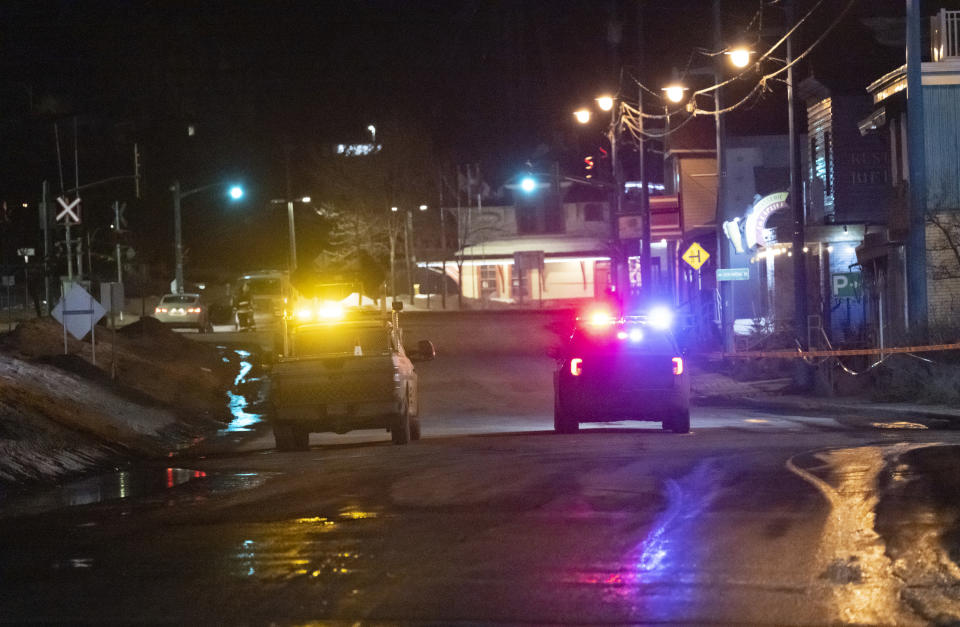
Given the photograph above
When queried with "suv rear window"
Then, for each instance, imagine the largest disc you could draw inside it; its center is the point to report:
(340, 339)
(605, 340)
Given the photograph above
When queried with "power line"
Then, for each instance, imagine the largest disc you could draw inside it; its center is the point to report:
(630, 113)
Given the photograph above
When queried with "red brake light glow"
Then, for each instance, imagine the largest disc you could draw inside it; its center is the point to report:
(576, 366)
(678, 365)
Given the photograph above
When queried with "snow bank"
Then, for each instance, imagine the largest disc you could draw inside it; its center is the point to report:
(60, 414)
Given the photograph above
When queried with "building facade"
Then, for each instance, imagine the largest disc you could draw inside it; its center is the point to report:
(882, 255)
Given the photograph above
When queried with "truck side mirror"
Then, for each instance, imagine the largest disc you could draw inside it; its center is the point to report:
(425, 351)
(397, 305)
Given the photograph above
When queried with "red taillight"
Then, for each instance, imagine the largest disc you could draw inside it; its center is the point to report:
(193, 310)
(156, 310)
(576, 366)
(678, 365)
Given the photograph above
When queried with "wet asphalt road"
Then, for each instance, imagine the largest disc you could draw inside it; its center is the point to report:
(752, 517)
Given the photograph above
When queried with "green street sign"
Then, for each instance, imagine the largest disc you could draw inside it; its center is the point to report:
(847, 284)
(733, 274)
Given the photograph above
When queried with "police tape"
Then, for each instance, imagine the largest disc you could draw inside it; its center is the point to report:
(798, 354)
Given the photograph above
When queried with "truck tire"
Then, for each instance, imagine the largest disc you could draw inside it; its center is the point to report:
(300, 439)
(679, 422)
(414, 429)
(563, 422)
(400, 429)
(283, 436)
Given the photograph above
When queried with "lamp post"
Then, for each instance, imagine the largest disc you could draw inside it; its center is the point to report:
(236, 192)
(291, 228)
(409, 252)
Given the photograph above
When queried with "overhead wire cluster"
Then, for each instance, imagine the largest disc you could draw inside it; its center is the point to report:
(632, 116)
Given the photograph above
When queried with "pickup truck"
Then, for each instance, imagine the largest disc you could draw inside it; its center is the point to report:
(345, 374)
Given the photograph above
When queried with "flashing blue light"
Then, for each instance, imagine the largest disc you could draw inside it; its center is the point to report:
(660, 317)
(236, 192)
(636, 335)
(528, 184)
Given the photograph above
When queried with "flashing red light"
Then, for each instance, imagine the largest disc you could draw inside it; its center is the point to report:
(576, 366)
(678, 365)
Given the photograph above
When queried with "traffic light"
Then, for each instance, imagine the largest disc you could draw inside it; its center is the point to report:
(588, 165)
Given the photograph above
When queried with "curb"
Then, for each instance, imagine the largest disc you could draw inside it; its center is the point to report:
(943, 418)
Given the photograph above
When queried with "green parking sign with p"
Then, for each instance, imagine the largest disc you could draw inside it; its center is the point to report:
(847, 284)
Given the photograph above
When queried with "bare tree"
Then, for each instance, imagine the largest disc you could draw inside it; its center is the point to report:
(944, 250)
(356, 194)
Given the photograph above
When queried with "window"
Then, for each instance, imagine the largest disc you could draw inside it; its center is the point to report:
(813, 157)
(488, 281)
(593, 212)
(342, 339)
(828, 166)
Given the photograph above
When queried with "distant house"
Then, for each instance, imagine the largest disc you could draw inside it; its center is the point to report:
(539, 250)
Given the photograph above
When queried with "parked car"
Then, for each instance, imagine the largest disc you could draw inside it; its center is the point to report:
(183, 311)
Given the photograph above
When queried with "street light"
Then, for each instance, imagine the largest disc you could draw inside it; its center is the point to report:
(674, 92)
(739, 57)
(292, 237)
(409, 253)
(528, 184)
(607, 103)
(235, 192)
(582, 115)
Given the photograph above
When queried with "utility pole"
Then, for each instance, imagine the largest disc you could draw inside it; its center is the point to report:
(615, 256)
(443, 248)
(45, 224)
(917, 238)
(177, 239)
(727, 315)
(646, 271)
(116, 227)
(796, 201)
(407, 234)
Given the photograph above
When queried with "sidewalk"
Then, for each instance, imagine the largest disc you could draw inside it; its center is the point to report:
(714, 389)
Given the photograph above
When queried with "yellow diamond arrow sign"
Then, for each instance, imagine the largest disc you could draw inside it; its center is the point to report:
(696, 256)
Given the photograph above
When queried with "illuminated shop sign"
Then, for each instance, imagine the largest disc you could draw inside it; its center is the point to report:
(755, 229)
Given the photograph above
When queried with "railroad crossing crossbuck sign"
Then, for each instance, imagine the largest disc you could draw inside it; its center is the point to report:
(696, 256)
(70, 211)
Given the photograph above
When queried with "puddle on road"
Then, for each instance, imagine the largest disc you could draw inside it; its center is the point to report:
(902, 424)
(134, 483)
(308, 548)
(248, 392)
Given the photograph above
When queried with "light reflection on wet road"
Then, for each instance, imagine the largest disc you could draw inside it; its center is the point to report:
(238, 401)
(611, 525)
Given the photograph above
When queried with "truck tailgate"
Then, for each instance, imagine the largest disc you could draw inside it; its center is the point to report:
(328, 380)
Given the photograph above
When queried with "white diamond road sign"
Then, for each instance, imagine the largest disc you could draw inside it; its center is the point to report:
(78, 312)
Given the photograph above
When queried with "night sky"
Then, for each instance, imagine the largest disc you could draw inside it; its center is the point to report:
(267, 85)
